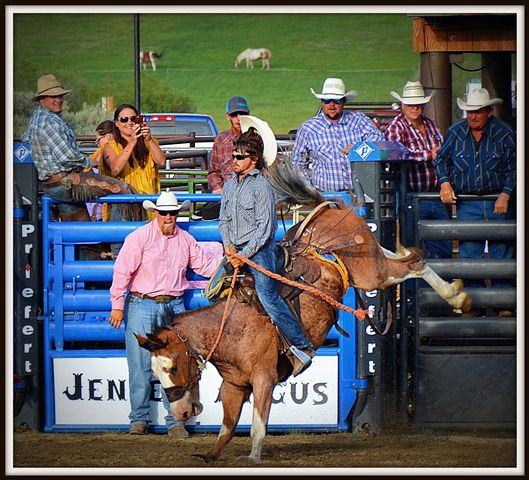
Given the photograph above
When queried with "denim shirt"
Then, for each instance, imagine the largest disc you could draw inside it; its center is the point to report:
(478, 168)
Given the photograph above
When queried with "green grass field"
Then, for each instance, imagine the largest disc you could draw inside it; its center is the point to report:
(93, 54)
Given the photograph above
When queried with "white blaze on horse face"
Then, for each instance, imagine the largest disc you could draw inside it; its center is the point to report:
(161, 366)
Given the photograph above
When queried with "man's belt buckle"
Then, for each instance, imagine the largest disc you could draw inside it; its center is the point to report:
(163, 298)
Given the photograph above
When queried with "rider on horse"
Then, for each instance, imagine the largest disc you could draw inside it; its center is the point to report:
(248, 225)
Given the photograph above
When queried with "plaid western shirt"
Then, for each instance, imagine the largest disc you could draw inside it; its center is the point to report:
(248, 213)
(52, 144)
(421, 174)
(319, 147)
(221, 161)
(487, 166)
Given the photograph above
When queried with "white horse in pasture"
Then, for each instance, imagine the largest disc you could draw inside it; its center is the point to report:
(251, 54)
(149, 57)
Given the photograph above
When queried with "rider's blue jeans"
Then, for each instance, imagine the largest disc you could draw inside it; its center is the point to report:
(141, 317)
(275, 306)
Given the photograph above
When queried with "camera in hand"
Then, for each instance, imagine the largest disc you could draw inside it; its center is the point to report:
(139, 119)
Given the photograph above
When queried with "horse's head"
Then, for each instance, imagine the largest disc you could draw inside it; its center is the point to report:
(176, 366)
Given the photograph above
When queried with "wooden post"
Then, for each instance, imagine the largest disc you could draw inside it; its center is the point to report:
(436, 74)
(107, 103)
(496, 78)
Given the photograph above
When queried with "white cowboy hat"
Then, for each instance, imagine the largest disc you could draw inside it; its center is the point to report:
(412, 94)
(266, 133)
(334, 88)
(477, 99)
(166, 202)
(48, 86)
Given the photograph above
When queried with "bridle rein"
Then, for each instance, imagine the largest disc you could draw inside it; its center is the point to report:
(178, 391)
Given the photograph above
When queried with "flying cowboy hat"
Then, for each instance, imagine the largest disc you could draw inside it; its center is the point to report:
(266, 133)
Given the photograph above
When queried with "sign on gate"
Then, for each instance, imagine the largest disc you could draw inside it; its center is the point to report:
(94, 391)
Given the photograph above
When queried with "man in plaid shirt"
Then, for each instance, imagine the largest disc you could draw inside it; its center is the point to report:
(423, 138)
(221, 162)
(66, 174)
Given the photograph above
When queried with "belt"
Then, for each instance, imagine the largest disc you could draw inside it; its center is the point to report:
(157, 299)
(56, 177)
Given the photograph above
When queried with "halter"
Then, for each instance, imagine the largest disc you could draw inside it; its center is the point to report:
(177, 392)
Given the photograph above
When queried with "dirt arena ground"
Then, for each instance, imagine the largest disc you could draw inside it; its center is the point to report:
(292, 450)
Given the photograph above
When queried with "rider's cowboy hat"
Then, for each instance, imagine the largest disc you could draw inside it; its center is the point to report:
(334, 88)
(412, 94)
(477, 99)
(48, 86)
(266, 133)
(166, 202)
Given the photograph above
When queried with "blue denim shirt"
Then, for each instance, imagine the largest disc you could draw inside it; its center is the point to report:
(478, 168)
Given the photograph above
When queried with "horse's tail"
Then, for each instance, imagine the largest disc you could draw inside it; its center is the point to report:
(289, 185)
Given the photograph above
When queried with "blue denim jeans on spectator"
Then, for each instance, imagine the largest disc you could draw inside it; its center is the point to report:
(141, 315)
(430, 210)
(275, 306)
(484, 210)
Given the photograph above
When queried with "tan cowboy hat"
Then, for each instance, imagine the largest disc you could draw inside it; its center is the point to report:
(334, 88)
(477, 99)
(412, 94)
(166, 202)
(266, 133)
(48, 86)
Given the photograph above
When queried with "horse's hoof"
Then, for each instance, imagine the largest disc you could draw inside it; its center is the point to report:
(248, 460)
(207, 458)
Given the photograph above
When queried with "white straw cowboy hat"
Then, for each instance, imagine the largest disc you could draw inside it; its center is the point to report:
(266, 133)
(412, 94)
(334, 88)
(48, 86)
(477, 99)
(166, 202)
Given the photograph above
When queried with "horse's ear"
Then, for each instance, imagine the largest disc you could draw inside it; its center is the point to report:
(152, 343)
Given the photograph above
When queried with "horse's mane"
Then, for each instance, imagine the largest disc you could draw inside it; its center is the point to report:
(289, 185)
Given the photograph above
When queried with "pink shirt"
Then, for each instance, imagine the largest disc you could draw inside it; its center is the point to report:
(152, 263)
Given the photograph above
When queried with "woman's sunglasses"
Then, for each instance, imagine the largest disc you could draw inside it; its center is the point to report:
(336, 101)
(126, 119)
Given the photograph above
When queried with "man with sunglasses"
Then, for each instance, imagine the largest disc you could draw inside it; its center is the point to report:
(322, 142)
(150, 279)
(248, 225)
(65, 173)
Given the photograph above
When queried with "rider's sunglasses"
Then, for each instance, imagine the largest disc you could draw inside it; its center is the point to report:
(242, 157)
(126, 119)
(337, 101)
(164, 213)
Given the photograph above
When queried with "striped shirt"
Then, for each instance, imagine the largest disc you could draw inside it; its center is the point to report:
(487, 166)
(52, 144)
(248, 213)
(421, 175)
(319, 148)
(221, 162)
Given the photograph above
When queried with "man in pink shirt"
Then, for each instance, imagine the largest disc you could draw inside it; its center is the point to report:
(150, 277)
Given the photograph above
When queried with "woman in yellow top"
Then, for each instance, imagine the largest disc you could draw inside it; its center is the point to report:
(133, 155)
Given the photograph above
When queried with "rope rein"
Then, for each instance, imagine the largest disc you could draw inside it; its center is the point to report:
(360, 314)
(224, 316)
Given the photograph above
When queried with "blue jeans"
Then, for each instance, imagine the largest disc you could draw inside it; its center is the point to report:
(484, 210)
(275, 306)
(140, 317)
(430, 210)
